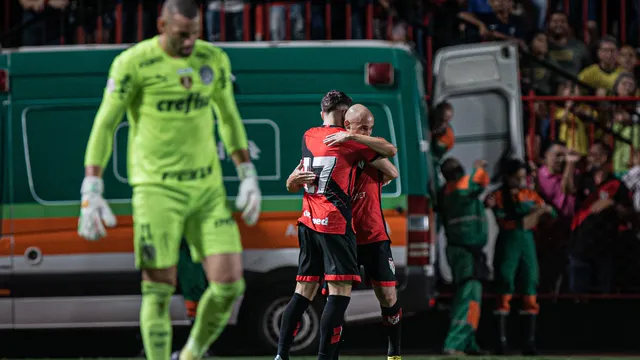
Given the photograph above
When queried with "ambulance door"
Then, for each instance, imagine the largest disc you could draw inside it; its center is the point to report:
(481, 82)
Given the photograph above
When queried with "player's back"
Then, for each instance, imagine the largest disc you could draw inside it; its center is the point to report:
(170, 110)
(368, 219)
(326, 206)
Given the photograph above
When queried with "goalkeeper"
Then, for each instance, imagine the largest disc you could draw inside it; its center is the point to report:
(168, 86)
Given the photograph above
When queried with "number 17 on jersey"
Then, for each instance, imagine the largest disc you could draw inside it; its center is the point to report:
(323, 167)
(306, 166)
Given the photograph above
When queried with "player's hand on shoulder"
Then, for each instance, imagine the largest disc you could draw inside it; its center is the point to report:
(337, 138)
(249, 196)
(94, 211)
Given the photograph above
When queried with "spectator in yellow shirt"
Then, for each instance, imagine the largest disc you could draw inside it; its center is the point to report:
(572, 117)
(603, 75)
(623, 124)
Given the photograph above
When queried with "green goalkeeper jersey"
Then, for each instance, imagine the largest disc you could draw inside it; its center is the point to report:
(169, 103)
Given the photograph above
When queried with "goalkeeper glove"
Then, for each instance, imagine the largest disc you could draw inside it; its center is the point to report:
(249, 195)
(94, 210)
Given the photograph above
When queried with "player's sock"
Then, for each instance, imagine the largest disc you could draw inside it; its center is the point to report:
(290, 323)
(214, 310)
(391, 317)
(331, 325)
(155, 320)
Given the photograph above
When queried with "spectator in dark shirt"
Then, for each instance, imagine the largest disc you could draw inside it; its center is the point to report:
(538, 77)
(572, 55)
(501, 24)
(603, 204)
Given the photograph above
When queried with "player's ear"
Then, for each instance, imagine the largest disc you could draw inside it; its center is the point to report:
(161, 23)
(347, 124)
(322, 115)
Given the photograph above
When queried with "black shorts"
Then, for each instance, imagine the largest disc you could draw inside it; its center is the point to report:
(331, 257)
(377, 260)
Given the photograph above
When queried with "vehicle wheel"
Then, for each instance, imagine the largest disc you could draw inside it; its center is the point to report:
(267, 317)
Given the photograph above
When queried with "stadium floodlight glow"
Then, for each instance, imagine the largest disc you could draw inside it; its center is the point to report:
(4, 81)
(379, 74)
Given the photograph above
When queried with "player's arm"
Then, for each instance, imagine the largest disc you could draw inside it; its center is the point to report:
(230, 126)
(120, 90)
(119, 93)
(379, 145)
(389, 172)
(234, 136)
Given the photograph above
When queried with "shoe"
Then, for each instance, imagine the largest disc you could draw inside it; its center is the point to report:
(175, 355)
(394, 357)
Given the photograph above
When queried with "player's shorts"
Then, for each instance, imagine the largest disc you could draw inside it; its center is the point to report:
(162, 214)
(377, 260)
(331, 257)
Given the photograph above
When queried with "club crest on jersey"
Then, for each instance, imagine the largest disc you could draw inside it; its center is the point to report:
(186, 82)
(361, 164)
(206, 74)
(392, 266)
(604, 195)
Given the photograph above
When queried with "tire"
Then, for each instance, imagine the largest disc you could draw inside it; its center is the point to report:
(267, 316)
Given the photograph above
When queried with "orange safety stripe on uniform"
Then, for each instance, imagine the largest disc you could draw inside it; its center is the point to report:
(448, 139)
(473, 314)
(524, 195)
(58, 236)
(504, 303)
(530, 304)
(481, 177)
(462, 184)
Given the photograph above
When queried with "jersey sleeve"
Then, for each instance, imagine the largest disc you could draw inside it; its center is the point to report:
(230, 126)
(122, 87)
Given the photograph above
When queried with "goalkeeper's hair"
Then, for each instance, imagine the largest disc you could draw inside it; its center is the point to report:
(186, 8)
(333, 99)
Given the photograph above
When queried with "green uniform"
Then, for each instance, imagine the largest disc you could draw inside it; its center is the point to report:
(176, 175)
(515, 252)
(172, 162)
(465, 224)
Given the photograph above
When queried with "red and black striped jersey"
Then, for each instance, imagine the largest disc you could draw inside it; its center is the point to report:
(326, 205)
